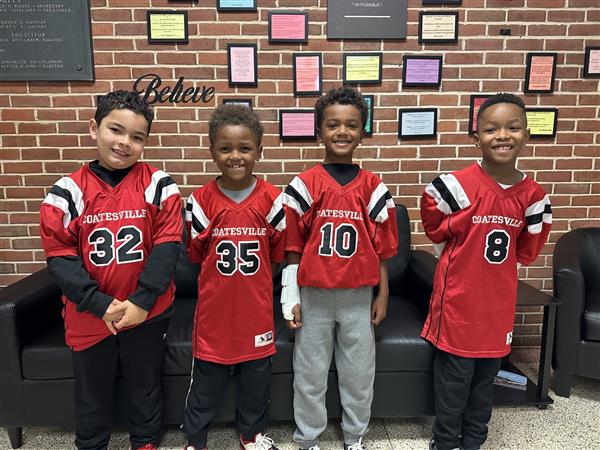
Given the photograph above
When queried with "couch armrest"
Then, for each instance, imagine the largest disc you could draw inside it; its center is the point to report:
(569, 289)
(28, 308)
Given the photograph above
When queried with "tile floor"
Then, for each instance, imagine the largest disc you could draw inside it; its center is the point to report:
(570, 423)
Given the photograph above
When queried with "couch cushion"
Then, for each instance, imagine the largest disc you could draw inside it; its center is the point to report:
(591, 326)
(178, 354)
(399, 346)
(48, 357)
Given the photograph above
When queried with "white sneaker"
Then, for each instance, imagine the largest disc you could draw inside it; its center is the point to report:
(260, 442)
(314, 447)
(356, 446)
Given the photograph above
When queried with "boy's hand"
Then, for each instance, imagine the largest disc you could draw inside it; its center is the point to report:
(110, 326)
(379, 309)
(114, 312)
(133, 315)
(297, 321)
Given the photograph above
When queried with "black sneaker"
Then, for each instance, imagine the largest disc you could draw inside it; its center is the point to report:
(432, 445)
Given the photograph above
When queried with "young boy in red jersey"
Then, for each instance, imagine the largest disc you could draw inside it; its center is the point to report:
(112, 233)
(236, 225)
(487, 218)
(341, 230)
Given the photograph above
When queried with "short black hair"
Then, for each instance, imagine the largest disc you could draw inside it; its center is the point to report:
(341, 96)
(123, 100)
(232, 114)
(502, 97)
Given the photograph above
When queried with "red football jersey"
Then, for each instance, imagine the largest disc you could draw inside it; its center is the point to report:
(342, 232)
(235, 244)
(486, 230)
(113, 230)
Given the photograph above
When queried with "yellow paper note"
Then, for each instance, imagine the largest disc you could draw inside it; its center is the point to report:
(362, 68)
(541, 123)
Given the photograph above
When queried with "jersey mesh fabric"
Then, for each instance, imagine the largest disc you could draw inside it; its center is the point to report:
(113, 230)
(235, 244)
(342, 232)
(485, 230)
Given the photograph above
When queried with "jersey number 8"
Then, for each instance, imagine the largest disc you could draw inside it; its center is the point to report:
(496, 246)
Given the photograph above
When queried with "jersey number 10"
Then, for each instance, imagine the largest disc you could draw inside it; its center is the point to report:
(342, 240)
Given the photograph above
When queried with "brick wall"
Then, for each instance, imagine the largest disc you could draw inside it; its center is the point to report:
(43, 125)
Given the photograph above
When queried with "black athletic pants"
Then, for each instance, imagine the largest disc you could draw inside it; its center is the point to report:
(140, 351)
(209, 380)
(463, 399)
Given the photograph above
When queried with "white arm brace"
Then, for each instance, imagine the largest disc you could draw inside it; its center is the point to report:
(290, 292)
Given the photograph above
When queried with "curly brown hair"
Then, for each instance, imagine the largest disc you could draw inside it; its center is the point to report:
(232, 114)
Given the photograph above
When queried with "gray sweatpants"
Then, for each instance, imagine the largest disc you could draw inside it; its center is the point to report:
(334, 321)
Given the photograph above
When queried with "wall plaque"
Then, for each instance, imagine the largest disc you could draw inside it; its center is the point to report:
(46, 40)
(353, 19)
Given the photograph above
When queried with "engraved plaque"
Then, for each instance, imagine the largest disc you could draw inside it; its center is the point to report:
(46, 40)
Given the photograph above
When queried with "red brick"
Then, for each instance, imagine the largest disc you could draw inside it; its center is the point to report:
(568, 16)
(17, 114)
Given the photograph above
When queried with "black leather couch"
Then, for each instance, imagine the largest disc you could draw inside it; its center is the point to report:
(577, 286)
(36, 378)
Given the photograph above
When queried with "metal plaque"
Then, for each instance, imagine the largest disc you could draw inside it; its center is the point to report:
(366, 19)
(46, 40)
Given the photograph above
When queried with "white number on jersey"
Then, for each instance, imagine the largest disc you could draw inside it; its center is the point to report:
(128, 240)
(242, 257)
(497, 243)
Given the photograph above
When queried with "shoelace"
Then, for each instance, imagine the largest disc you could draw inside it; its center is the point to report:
(315, 447)
(263, 442)
(357, 446)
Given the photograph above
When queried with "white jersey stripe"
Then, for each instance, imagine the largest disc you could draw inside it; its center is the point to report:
(159, 177)
(276, 209)
(453, 188)
(301, 204)
(67, 184)
(380, 192)
(537, 215)
(195, 215)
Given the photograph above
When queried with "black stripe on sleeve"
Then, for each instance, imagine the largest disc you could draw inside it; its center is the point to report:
(537, 218)
(66, 194)
(198, 228)
(380, 205)
(446, 194)
(278, 218)
(162, 183)
(534, 218)
(296, 195)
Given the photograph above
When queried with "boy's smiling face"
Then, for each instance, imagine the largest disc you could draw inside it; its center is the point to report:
(501, 134)
(341, 131)
(235, 150)
(120, 138)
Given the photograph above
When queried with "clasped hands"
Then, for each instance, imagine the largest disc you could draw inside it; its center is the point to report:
(119, 315)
